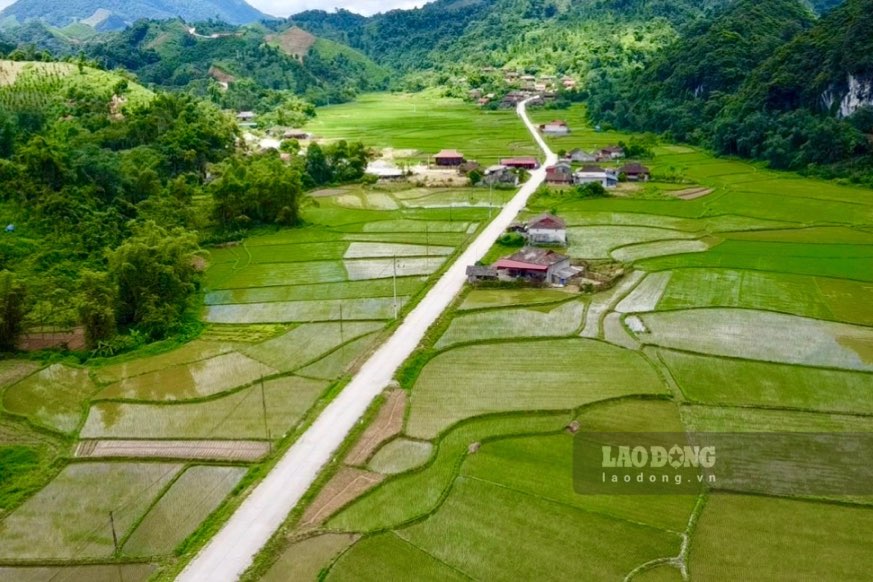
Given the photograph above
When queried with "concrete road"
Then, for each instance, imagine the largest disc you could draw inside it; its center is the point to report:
(232, 549)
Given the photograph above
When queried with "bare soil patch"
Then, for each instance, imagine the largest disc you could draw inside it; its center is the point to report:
(221, 75)
(348, 484)
(388, 424)
(692, 193)
(201, 450)
(295, 41)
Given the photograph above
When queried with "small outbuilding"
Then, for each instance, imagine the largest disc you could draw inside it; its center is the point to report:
(580, 156)
(560, 173)
(480, 273)
(499, 175)
(526, 163)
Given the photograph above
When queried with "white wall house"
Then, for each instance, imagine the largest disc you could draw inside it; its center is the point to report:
(547, 229)
(595, 174)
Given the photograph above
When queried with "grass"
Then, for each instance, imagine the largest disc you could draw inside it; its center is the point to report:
(723, 381)
(542, 321)
(817, 297)
(517, 376)
(190, 381)
(307, 343)
(400, 455)
(426, 124)
(793, 539)
(69, 519)
(762, 335)
(53, 397)
(237, 416)
(181, 509)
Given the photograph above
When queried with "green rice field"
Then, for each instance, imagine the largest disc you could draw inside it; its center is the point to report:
(744, 309)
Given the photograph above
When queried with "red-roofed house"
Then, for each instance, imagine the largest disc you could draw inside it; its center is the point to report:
(450, 158)
(636, 172)
(525, 163)
(547, 228)
(539, 265)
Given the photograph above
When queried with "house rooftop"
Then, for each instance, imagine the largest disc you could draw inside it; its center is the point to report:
(532, 256)
(449, 154)
(548, 221)
(634, 168)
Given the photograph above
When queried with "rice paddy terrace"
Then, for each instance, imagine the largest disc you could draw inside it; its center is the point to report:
(751, 305)
(754, 298)
(117, 467)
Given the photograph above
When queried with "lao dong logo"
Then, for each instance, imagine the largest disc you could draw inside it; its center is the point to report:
(657, 457)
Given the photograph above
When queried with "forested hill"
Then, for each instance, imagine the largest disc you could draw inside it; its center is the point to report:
(763, 81)
(243, 68)
(116, 14)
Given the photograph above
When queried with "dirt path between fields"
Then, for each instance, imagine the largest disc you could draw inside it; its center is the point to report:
(232, 549)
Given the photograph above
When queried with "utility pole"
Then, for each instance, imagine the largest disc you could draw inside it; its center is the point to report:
(427, 243)
(490, 196)
(114, 533)
(394, 279)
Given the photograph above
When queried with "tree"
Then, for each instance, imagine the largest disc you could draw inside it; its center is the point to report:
(156, 273)
(97, 307)
(12, 310)
(317, 167)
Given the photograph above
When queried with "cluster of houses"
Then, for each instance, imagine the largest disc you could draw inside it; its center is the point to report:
(533, 264)
(562, 173)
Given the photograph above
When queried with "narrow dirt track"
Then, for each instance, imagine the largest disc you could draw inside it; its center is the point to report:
(232, 549)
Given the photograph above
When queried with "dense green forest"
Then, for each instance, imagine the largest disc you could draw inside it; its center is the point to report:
(763, 81)
(109, 190)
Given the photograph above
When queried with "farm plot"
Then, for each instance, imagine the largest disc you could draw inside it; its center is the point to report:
(304, 311)
(646, 295)
(415, 226)
(473, 197)
(361, 250)
(595, 242)
(385, 268)
(472, 531)
(817, 297)
(730, 419)
(793, 539)
(482, 298)
(239, 415)
(53, 397)
(192, 352)
(543, 321)
(187, 381)
(265, 275)
(341, 360)
(446, 239)
(69, 519)
(303, 560)
(762, 335)
(307, 343)
(516, 376)
(723, 381)
(638, 252)
(218, 450)
(190, 500)
(400, 455)
(103, 573)
(322, 292)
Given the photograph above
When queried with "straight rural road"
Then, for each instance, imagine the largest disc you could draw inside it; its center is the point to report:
(232, 549)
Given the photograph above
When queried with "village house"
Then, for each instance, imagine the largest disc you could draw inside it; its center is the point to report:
(468, 166)
(568, 83)
(449, 158)
(560, 173)
(606, 177)
(537, 265)
(547, 229)
(610, 153)
(526, 163)
(246, 116)
(580, 156)
(297, 134)
(499, 175)
(556, 127)
(635, 172)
